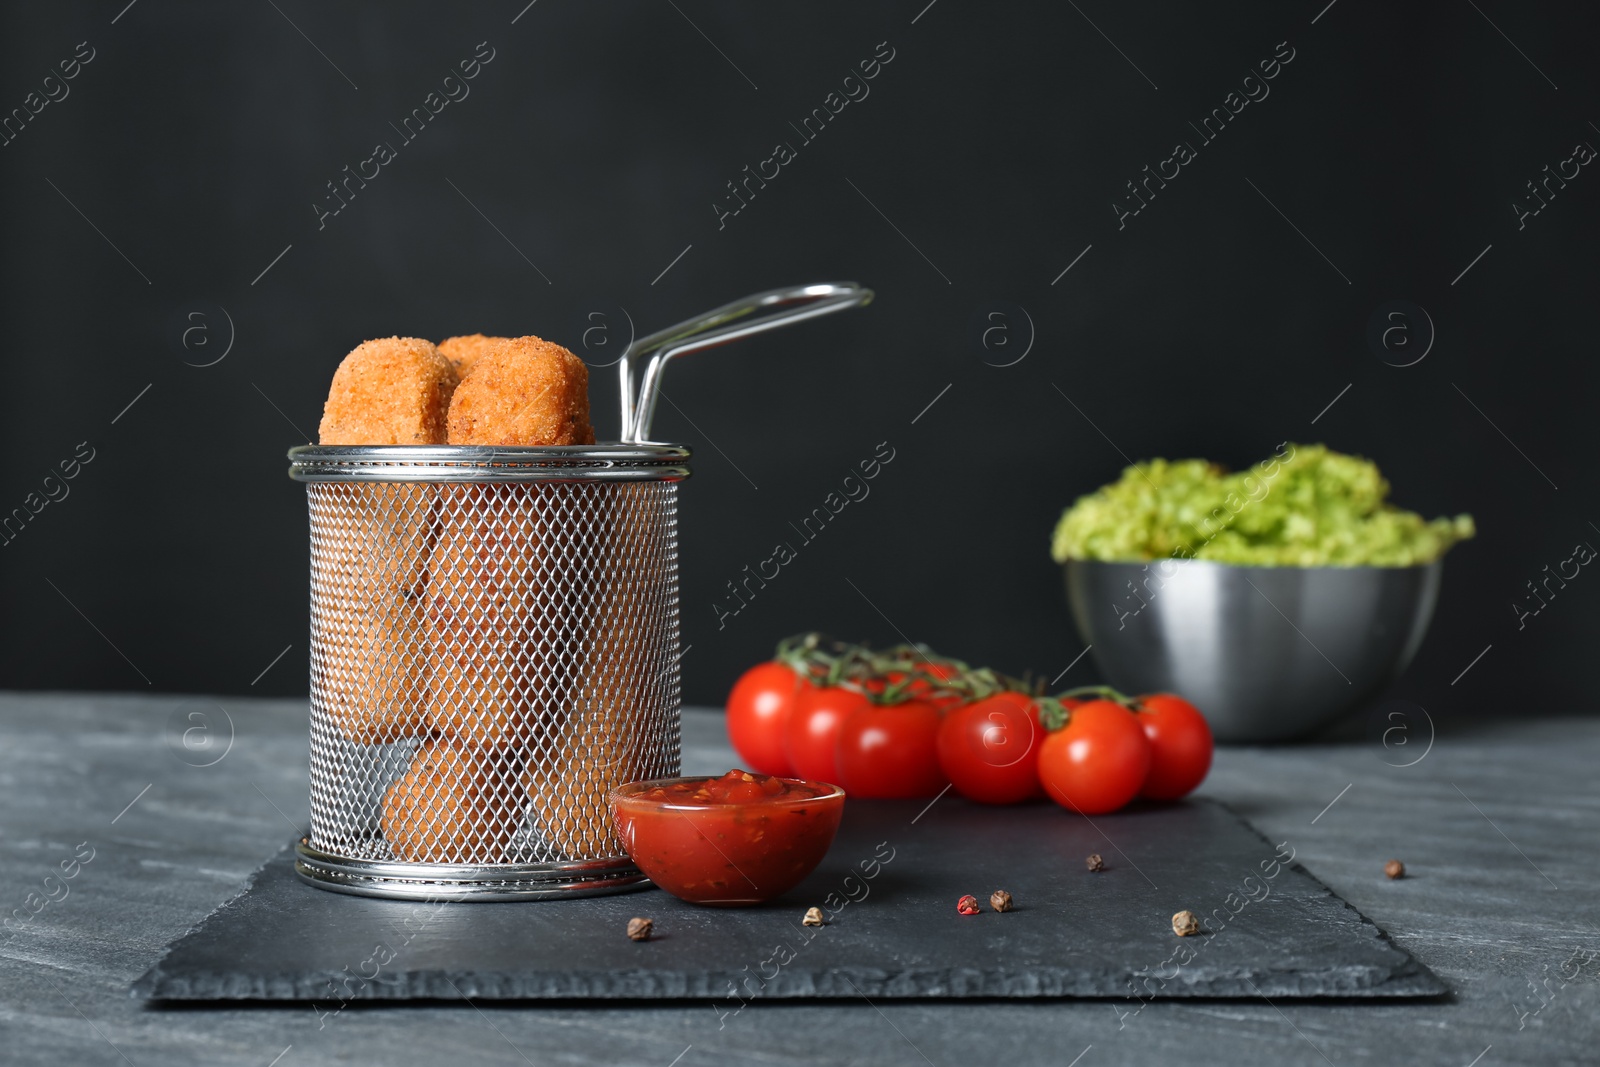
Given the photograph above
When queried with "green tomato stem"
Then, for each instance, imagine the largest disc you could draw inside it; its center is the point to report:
(1103, 692)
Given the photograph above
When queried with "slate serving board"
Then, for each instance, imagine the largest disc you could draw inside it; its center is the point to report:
(890, 883)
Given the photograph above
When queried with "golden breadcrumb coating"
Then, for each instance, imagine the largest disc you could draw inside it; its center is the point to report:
(489, 617)
(379, 702)
(597, 742)
(444, 809)
(393, 391)
(465, 351)
(524, 392)
(368, 582)
(486, 614)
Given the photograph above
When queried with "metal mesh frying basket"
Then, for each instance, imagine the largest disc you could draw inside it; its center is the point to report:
(494, 646)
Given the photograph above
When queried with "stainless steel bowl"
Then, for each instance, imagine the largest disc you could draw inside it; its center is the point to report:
(1267, 653)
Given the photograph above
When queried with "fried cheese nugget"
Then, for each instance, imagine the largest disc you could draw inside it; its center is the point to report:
(491, 646)
(445, 809)
(526, 391)
(394, 391)
(372, 558)
(368, 580)
(465, 351)
(598, 746)
(370, 668)
(485, 605)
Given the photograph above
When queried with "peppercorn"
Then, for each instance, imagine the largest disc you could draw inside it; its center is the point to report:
(1000, 900)
(967, 905)
(640, 929)
(813, 917)
(1394, 869)
(1094, 862)
(1184, 923)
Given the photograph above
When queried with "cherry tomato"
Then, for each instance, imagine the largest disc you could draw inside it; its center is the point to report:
(758, 716)
(1180, 745)
(811, 738)
(989, 749)
(1069, 703)
(1097, 761)
(891, 751)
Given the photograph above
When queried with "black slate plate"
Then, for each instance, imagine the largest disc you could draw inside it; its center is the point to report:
(1270, 928)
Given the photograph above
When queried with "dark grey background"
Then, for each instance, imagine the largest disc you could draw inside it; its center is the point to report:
(594, 145)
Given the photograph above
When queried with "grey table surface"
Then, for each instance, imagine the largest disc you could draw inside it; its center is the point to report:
(1496, 824)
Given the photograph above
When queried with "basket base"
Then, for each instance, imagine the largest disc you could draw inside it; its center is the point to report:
(465, 882)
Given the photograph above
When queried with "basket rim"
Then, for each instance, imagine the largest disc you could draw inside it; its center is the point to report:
(479, 463)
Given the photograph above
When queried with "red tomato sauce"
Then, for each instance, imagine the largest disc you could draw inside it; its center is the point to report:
(739, 839)
(735, 787)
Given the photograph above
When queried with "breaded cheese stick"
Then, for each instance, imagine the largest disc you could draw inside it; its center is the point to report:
(371, 666)
(484, 602)
(526, 391)
(372, 562)
(494, 632)
(465, 351)
(597, 746)
(445, 808)
(393, 391)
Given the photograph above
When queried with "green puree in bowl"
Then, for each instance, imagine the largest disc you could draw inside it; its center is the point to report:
(1306, 506)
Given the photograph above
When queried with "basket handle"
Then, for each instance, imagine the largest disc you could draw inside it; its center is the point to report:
(731, 322)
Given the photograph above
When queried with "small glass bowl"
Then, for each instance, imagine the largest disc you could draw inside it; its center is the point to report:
(731, 853)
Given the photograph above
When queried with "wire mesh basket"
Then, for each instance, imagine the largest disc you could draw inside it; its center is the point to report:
(494, 646)
(494, 642)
